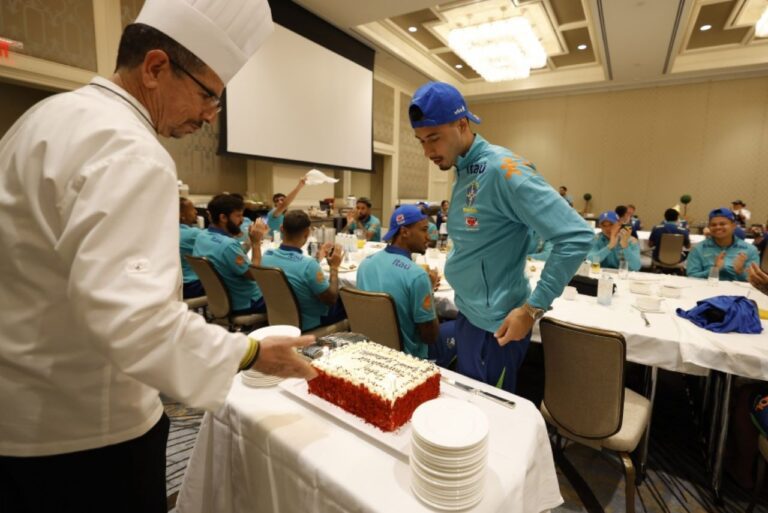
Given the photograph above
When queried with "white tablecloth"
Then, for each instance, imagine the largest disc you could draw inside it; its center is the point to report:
(670, 343)
(266, 451)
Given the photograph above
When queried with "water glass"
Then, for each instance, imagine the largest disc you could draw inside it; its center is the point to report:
(714, 276)
(623, 269)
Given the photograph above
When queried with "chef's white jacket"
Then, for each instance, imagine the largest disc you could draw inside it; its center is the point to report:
(91, 325)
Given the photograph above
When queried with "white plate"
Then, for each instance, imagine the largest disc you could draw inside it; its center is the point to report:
(279, 330)
(447, 505)
(450, 423)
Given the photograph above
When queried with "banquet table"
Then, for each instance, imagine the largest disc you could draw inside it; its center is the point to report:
(267, 450)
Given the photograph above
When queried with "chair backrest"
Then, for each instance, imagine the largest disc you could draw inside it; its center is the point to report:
(219, 303)
(764, 260)
(671, 248)
(374, 315)
(282, 305)
(583, 378)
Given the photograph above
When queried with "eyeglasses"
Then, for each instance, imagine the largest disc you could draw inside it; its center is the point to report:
(211, 98)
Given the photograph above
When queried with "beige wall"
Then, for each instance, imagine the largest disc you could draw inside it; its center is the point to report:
(646, 146)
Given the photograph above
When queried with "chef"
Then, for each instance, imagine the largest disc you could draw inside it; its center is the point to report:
(92, 328)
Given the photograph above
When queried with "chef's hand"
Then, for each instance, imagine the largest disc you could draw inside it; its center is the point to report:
(278, 357)
(515, 326)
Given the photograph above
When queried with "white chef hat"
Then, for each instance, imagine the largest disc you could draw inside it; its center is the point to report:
(224, 34)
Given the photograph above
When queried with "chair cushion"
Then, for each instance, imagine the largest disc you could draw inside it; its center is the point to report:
(196, 302)
(250, 319)
(636, 413)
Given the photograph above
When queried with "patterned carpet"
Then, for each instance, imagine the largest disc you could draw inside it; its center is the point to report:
(676, 481)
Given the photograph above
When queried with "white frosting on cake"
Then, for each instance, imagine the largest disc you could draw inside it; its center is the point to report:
(383, 371)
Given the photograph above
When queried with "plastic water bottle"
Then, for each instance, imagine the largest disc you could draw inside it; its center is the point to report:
(604, 290)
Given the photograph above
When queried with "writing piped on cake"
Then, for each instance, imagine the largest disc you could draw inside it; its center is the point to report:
(389, 383)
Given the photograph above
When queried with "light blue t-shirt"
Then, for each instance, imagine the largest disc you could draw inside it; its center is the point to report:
(610, 257)
(274, 222)
(307, 281)
(187, 236)
(496, 198)
(372, 224)
(702, 257)
(392, 271)
(432, 231)
(231, 262)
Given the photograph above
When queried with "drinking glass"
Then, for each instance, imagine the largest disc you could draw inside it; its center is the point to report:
(623, 269)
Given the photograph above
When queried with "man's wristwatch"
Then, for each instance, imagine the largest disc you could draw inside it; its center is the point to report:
(535, 313)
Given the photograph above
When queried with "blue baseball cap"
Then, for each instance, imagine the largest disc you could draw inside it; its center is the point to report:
(608, 215)
(722, 212)
(438, 103)
(402, 216)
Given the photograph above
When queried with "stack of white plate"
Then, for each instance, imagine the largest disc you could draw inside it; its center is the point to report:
(449, 452)
(254, 378)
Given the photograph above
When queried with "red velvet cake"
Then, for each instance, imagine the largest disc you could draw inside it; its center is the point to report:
(378, 384)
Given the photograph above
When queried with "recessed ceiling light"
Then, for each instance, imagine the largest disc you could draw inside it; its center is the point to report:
(412, 29)
(582, 47)
(704, 28)
(459, 66)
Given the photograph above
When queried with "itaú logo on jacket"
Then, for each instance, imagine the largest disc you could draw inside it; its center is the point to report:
(459, 110)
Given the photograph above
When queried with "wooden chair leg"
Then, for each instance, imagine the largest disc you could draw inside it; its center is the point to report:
(629, 480)
(758, 483)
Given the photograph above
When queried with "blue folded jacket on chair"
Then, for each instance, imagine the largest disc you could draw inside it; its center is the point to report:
(724, 314)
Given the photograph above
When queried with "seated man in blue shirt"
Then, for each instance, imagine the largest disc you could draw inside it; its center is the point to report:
(669, 225)
(188, 232)
(361, 218)
(317, 295)
(614, 244)
(281, 203)
(219, 246)
(431, 227)
(723, 250)
(392, 271)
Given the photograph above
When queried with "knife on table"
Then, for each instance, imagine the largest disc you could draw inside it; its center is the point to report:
(477, 391)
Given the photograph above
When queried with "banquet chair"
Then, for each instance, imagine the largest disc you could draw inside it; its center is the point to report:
(762, 445)
(670, 252)
(764, 261)
(199, 304)
(219, 303)
(282, 304)
(584, 395)
(374, 315)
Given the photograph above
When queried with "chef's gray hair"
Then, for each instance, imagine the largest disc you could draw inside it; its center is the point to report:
(138, 39)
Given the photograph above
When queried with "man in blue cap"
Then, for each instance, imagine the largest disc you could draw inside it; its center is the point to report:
(614, 244)
(497, 197)
(722, 249)
(392, 271)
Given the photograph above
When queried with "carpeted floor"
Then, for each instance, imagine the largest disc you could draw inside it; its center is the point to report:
(676, 481)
